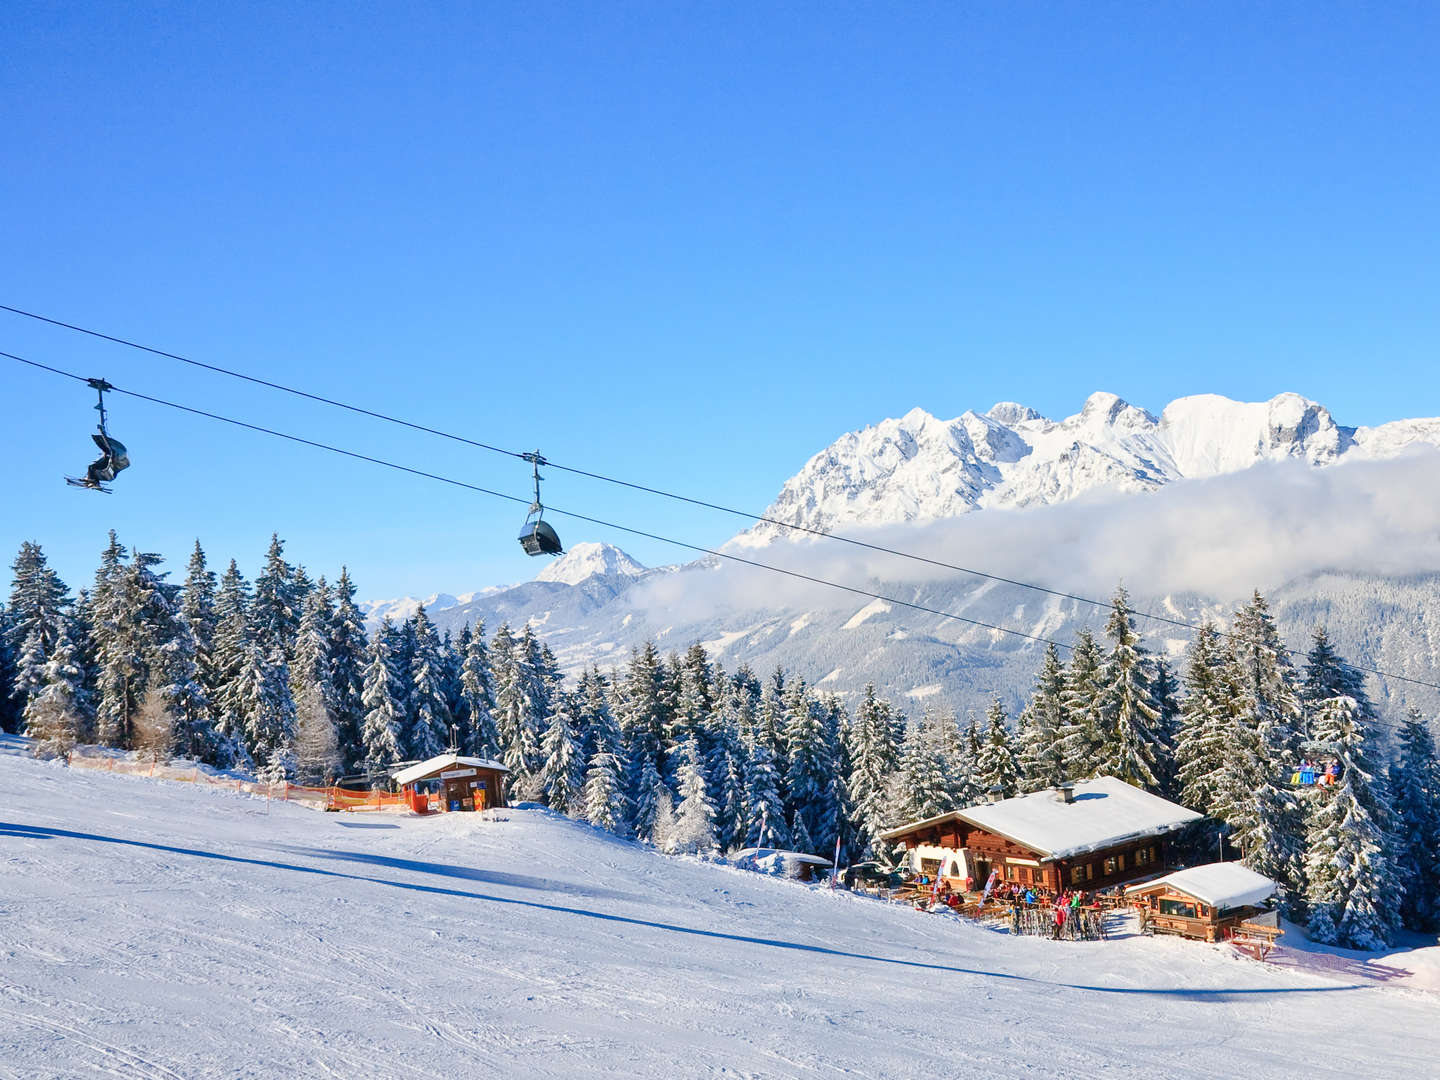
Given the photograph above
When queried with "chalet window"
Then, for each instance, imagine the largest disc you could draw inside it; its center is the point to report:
(1154, 855)
(1089, 871)
(1122, 862)
(1110, 866)
(1077, 875)
(1177, 907)
(930, 867)
(1142, 857)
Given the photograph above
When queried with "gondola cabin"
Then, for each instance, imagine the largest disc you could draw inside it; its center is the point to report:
(1088, 835)
(449, 782)
(1206, 903)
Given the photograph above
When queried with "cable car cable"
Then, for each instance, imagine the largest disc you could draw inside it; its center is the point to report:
(568, 513)
(574, 470)
(1103, 604)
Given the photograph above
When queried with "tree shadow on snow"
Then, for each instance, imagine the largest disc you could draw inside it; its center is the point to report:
(36, 832)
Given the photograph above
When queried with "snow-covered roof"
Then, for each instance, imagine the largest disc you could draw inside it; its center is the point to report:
(1105, 812)
(787, 856)
(1219, 884)
(441, 762)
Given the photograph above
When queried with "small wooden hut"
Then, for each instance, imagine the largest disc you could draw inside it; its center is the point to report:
(450, 782)
(1088, 835)
(1207, 903)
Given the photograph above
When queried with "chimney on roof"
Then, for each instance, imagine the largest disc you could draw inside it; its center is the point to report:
(1066, 791)
(996, 793)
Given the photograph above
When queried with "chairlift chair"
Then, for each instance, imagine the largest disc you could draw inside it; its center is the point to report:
(537, 537)
(113, 456)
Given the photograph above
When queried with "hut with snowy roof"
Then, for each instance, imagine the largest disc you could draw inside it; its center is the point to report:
(1088, 835)
(451, 782)
(1208, 903)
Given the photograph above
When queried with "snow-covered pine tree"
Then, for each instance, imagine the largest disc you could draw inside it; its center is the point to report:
(430, 718)
(639, 710)
(1082, 730)
(269, 713)
(512, 668)
(231, 652)
(1207, 734)
(384, 723)
(1038, 744)
(654, 808)
(1353, 887)
(562, 774)
(1166, 690)
(996, 770)
(1415, 796)
(604, 797)
(925, 783)
(482, 738)
(693, 702)
(9, 715)
(348, 648)
(811, 782)
(197, 604)
(38, 613)
(874, 758)
(694, 829)
(1268, 824)
(275, 609)
(1130, 748)
(55, 717)
(764, 809)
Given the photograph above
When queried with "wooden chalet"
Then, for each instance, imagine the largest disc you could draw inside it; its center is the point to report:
(1088, 835)
(1208, 903)
(450, 782)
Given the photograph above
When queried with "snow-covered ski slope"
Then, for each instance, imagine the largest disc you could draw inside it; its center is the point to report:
(152, 929)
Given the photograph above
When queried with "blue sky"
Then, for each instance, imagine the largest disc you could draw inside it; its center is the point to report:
(685, 244)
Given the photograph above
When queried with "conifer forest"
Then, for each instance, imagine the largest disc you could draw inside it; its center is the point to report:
(279, 677)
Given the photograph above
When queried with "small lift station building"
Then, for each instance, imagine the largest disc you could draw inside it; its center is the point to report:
(1087, 835)
(451, 782)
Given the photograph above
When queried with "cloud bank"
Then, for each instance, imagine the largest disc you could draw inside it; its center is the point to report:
(1219, 537)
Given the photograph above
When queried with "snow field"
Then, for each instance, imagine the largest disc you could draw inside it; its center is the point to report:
(153, 929)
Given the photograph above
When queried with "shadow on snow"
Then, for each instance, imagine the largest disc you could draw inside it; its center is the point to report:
(37, 832)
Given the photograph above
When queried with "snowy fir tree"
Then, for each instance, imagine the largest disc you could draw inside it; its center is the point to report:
(37, 616)
(562, 774)
(231, 651)
(996, 770)
(1415, 797)
(384, 722)
(269, 713)
(874, 757)
(1130, 748)
(765, 825)
(197, 604)
(693, 832)
(55, 717)
(348, 646)
(430, 718)
(275, 609)
(1266, 819)
(1208, 732)
(1041, 722)
(1082, 731)
(311, 667)
(604, 795)
(483, 736)
(1353, 886)
(926, 782)
(811, 783)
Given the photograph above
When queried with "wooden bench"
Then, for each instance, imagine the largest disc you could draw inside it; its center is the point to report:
(1255, 939)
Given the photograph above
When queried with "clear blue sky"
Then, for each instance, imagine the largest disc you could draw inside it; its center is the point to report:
(687, 244)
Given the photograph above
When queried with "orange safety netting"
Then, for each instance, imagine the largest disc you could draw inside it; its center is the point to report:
(332, 798)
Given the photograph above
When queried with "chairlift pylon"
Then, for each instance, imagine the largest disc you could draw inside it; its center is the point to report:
(113, 456)
(537, 537)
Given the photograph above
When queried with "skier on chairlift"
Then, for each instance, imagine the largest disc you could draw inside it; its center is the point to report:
(113, 456)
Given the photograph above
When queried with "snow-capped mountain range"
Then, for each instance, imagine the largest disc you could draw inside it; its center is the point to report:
(920, 468)
(594, 603)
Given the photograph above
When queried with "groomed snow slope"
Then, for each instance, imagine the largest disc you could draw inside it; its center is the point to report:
(151, 929)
